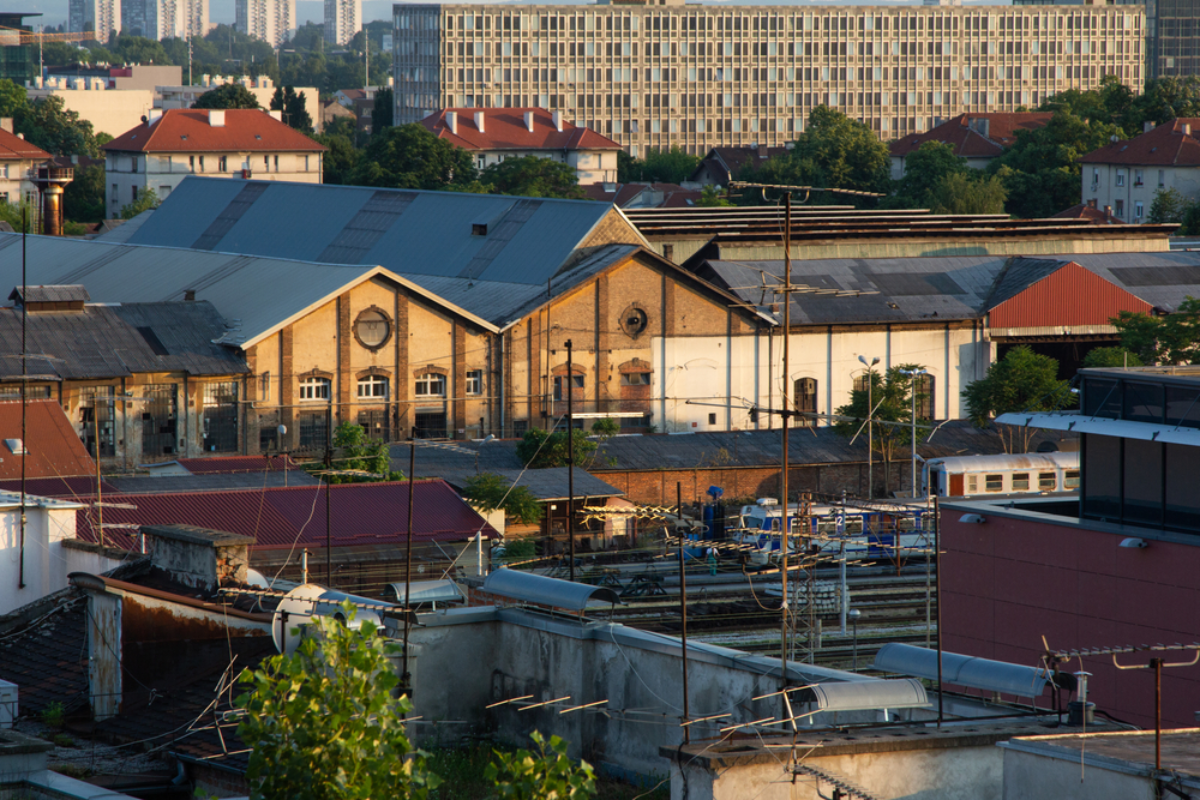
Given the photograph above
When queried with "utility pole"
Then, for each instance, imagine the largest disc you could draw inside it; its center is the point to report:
(783, 475)
(570, 381)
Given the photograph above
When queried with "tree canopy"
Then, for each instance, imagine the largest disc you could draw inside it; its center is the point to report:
(891, 393)
(1021, 381)
(657, 166)
(532, 176)
(146, 200)
(83, 200)
(410, 157)
(230, 95)
(488, 491)
(295, 114)
(1172, 338)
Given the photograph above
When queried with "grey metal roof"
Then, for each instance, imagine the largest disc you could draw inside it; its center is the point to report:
(961, 670)
(415, 232)
(173, 484)
(866, 695)
(119, 340)
(544, 591)
(72, 293)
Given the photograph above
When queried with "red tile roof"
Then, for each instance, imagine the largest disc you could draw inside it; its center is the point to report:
(187, 130)
(1089, 212)
(207, 466)
(15, 147)
(965, 133)
(506, 129)
(277, 518)
(1172, 144)
(55, 449)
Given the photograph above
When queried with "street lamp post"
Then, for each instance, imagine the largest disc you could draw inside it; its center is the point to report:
(854, 615)
(870, 424)
(913, 374)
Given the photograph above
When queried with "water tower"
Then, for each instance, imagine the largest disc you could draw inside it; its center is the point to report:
(51, 181)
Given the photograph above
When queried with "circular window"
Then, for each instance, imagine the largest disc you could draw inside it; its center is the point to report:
(634, 321)
(372, 328)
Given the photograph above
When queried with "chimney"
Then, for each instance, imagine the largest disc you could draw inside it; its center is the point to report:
(1147, 126)
(558, 121)
(1092, 203)
(216, 117)
(276, 115)
(529, 120)
(155, 115)
(6, 124)
(1187, 129)
(479, 120)
(199, 557)
(452, 121)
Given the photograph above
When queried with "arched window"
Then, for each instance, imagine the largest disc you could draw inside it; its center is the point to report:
(373, 387)
(805, 401)
(314, 389)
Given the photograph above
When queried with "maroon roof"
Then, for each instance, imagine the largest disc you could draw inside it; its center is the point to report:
(280, 517)
(1089, 212)
(206, 466)
(733, 159)
(55, 449)
(1172, 144)
(506, 129)
(966, 133)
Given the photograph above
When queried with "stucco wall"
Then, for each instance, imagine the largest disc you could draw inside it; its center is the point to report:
(45, 561)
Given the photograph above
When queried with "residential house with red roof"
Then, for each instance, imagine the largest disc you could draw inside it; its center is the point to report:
(1125, 175)
(17, 160)
(495, 134)
(977, 137)
(220, 143)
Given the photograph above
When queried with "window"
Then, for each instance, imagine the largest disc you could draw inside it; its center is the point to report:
(312, 389)
(372, 328)
(993, 483)
(313, 429)
(1137, 177)
(1071, 479)
(1047, 481)
(266, 163)
(135, 194)
(115, 199)
(576, 383)
(972, 484)
(635, 379)
(1120, 178)
(97, 410)
(222, 163)
(475, 381)
(264, 386)
(159, 412)
(712, 419)
(1020, 482)
(924, 389)
(373, 387)
(202, 163)
(277, 163)
(431, 385)
(191, 163)
(221, 417)
(806, 401)
(1138, 209)
(1119, 208)
(1162, 178)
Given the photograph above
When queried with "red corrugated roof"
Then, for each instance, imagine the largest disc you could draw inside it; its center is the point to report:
(187, 130)
(506, 129)
(277, 518)
(14, 147)
(1069, 296)
(207, 466)
(964, 133)
(55, 449)
(1172, 144)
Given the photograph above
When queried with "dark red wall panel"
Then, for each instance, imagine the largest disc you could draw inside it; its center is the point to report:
(1070, 296)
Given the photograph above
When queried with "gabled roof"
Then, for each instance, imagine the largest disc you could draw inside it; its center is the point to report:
(13, 147)
(1057, 294)
(189, 130)
(110, 341)
(509, 129)
(974, 135)
(54, 449)
(732, 159)
(624, 195)
(1172, 144)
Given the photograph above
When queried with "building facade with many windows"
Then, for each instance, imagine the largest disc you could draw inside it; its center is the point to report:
(698, 76)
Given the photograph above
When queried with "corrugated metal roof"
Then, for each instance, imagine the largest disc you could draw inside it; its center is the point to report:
(431, 235)
(961, 670)
(544, 591)
(278, 518)
(53, 447)
(438, 591)
(173, 484)
(1070, 297)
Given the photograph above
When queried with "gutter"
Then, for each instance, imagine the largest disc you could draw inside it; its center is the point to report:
(85, 580)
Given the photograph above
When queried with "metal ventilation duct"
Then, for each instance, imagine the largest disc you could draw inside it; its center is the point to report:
(869, 695)
(960, 670)
(435, 591)
(539, 589)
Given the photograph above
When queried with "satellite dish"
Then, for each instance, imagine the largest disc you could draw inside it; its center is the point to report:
(312, 600)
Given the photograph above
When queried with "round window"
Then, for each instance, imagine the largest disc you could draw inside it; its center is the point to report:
(372, 328)
(633, 321)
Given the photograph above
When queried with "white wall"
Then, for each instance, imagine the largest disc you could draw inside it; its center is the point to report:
(46, 562)
(111, 111)
(1100, 182)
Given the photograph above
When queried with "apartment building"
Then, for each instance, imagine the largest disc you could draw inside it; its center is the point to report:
(699, 76)
(101, 16)
(154, 19)
(343, 18)
(269, 20)
(225, 143)
(1123, 177)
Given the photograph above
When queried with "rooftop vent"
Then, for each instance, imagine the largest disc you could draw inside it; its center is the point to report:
(479, 120)
(16, 447)
(479, 229)
(529, 121)
(452, 121)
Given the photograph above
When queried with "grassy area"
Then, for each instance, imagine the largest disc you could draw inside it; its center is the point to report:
(461, 769)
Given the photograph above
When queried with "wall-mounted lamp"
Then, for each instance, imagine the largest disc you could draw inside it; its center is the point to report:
(1134, 541)
(973, 519)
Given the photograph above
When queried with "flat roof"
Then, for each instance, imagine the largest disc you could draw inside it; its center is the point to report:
(1127, 751)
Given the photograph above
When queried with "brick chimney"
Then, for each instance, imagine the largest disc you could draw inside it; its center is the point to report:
(199, 557)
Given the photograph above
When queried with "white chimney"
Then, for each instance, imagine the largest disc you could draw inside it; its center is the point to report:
(529, 120)
(558, 121)
(1147, 126)
(479, 120)
(154, 116)
(276, 115)
(6, 124)
(1187, 129)
(452, 121)
(216, 117)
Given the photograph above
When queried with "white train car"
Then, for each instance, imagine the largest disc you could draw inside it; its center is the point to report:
(1020, 473)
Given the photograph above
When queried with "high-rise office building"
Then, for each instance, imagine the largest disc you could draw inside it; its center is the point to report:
(269, 20)
(343, 19)
(697, 76)
(101, 16)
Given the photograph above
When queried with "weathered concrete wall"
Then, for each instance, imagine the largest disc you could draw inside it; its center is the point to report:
(1029, 775)
(45, 564)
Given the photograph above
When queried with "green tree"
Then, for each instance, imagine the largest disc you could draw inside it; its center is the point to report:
(62, 54)
(833, 151)
(488, 491)
(19, 216)
(968, 193)
(1111, 102)
(340, 158)
(924, 170)
(146, 200)
(1172, 338)
(49, 125)
(83, 200)
(231, 95)
(1041, 171)
(381, 112)
(1166, 99)
(410, 157)
(531, 176)
(891, 391)
(357, 452)
(1021, 381)
(658, 166)
(711, 197)
(14, 100)
(539, 449)
(546, 773)
(322, 723)
(140, 50)
(295, 115)
(1110, 357)
(1169, 205)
